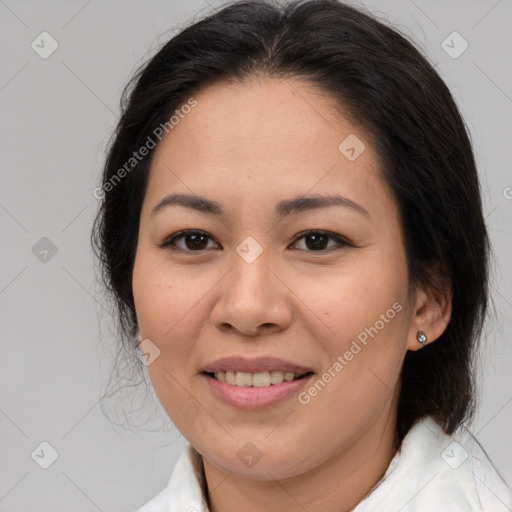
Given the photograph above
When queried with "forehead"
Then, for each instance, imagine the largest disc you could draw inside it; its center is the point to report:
(278, 114)
(265, 136)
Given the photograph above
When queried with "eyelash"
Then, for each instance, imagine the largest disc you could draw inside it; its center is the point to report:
(169, 242)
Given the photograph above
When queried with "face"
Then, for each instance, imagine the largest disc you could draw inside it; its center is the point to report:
(264, 277)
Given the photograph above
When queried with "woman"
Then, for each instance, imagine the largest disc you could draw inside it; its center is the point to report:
(292, 229)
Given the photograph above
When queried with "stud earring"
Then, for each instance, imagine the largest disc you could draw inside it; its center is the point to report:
(421, 337)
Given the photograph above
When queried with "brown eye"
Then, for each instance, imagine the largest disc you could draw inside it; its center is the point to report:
(195, 241)
(190, 241)
(316, 241)
(319, 240)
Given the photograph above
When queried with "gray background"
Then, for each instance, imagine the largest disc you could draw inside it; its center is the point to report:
(57, 115)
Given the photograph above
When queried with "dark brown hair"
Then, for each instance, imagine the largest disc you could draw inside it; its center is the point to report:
(384, 84)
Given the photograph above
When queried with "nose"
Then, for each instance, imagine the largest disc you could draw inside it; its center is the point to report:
(252, 299)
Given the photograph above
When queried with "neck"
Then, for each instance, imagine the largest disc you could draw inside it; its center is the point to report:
(340, 483)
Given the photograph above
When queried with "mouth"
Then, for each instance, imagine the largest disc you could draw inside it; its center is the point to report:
(257, 379)
(255, 390)
(255, 383)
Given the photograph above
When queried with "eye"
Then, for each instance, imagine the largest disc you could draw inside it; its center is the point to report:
(190, 241)
(195, 241)
(319, 240)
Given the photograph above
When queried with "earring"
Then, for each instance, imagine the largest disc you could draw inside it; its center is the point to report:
(421, 337)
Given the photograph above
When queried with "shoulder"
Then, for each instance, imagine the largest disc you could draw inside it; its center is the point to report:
(435, 471)
(184, 491)
(493, 492)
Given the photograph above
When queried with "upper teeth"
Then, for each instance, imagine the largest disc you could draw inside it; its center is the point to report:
(258, 380)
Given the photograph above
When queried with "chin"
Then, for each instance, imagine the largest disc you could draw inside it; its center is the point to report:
(257, 461)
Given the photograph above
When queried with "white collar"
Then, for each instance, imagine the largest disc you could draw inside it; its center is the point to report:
(430, 472)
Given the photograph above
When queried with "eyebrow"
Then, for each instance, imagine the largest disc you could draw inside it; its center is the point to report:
(282, 209)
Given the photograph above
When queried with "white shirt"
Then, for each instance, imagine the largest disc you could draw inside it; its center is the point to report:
(431, 472)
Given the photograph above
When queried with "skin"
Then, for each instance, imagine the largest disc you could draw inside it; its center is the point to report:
(249, 146)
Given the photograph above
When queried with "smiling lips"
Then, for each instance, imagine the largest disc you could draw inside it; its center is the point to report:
(254, 383)
(258, 372)
(258, 379)
(252, 365)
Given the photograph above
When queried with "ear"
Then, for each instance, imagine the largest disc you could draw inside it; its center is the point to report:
(432, 313)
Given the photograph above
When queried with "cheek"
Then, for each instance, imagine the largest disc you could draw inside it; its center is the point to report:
(352, 297)
(168, 307)
(165, 296)
(172, 307)
(364, 318)
(364, 346)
